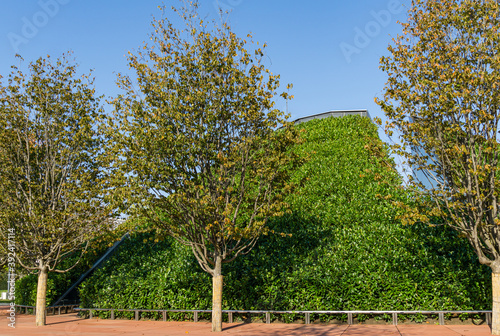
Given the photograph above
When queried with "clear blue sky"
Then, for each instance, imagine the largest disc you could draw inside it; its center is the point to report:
(328, 49)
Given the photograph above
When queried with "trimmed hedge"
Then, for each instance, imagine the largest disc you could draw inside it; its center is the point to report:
(347, 250)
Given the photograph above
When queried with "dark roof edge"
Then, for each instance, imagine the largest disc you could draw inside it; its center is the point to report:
(335, 113)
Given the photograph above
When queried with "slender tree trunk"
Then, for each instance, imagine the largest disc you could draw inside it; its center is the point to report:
(41, 296)
(217, 296)
(495, 321)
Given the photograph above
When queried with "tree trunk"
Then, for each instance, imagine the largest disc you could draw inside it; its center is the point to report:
(217, 296)
(495, 321)
(41, 296)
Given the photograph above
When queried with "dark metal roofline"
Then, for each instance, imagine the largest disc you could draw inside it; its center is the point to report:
(335, 113)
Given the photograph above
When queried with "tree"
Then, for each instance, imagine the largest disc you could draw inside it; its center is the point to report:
(52, 182)
(442, 99)
(197, 144)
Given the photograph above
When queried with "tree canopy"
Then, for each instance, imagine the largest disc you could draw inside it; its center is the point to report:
(441, 99)
(52, 184)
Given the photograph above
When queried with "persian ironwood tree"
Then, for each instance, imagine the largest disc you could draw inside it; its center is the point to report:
(442, 100)
(51, 179)
(197, 149)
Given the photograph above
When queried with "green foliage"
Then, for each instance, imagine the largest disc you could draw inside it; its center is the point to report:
(441, 99)
(3, 279)
(52, 186)
(341, 249)
(194, 141)
(135, 276)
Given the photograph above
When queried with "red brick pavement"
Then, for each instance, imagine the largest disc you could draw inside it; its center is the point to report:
(72, 325)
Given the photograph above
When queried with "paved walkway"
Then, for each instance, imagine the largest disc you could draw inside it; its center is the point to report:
(72, 325)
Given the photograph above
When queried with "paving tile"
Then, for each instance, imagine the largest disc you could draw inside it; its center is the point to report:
(373, 330)
(446, 330)
(471, 330)
(71, 325)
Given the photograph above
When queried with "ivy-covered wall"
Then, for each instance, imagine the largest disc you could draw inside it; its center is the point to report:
(347, 249)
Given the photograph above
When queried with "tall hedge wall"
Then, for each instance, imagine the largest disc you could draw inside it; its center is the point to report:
(347, 250)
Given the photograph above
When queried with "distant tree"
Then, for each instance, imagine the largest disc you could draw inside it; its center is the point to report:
(52, 183)
(442, 99)
(197, 142)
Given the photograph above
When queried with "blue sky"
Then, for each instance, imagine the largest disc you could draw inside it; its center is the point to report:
(328, 49)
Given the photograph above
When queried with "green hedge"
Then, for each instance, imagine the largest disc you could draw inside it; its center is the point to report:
(347, 250)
